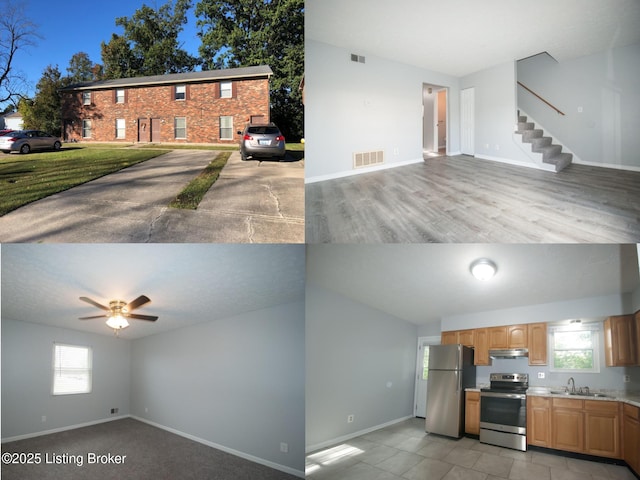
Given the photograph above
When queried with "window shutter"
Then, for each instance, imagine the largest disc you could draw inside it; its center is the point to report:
(187, 92)
(216, 90)
(115, 95)
(126, 95)
(234, 93)
(173, 93)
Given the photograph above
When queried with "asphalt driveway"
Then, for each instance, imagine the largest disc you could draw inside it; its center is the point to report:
(253, 201)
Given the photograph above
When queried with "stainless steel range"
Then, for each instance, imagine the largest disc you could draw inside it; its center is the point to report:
(503, 411)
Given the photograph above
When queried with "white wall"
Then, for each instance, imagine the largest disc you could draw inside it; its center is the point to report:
(236, 382)
(27, 355)
(496, 114)
(353, 107)
(360, 362)
(606, 86)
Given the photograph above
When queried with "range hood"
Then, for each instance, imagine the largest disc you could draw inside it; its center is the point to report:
(509, 353)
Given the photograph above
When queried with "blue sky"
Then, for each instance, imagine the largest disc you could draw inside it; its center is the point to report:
(79, 26)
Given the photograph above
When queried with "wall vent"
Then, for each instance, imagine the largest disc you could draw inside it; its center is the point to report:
(357, 58)
(367, 159)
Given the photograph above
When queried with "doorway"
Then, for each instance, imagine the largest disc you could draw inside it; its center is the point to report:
(467, 121)
(422, 374)
(435, 108)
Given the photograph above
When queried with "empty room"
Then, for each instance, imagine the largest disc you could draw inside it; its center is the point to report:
(382, 402)
(153, 361)
(469, 121)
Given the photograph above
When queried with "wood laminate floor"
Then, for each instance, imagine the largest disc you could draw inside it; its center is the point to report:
(468, 200)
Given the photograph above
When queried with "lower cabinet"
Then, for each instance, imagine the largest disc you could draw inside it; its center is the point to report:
(539, 421)
(602, 428)
(472, 413)
(631, 436)
(567, 419)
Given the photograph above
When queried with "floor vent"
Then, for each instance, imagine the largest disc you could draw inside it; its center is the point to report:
(366, 159)
(357, 58)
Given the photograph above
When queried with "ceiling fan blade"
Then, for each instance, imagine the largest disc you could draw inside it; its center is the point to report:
(95, 316)
(137, 303)
(94, 303)
(142, 317)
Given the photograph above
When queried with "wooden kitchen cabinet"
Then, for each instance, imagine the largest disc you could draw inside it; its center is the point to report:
(602, 428)
(539, 421)
(631, 436)
(472, 413)
(481, 347)
(498, 337)
(449, 338)
(466, 337)
(567, 424)
(537, 341)
(517, 336)
(620, 341)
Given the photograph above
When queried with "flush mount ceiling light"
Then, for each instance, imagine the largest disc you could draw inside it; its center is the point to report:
(483, 269)
(116, 319)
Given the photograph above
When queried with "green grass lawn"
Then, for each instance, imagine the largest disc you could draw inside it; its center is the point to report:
(193, 193)
(27, 178)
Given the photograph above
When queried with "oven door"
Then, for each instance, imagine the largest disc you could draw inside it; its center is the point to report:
(505, 412)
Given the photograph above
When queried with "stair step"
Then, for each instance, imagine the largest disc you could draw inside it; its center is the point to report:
(522, 119)
(549, 151)
(561, 160)
(540, 142)
(524, 126)
(528, 135)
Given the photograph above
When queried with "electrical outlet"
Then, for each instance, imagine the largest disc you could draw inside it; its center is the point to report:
(627, 378)
(396, 151)
(146, 410)
(540, 374)
(113, 410)
(284, 447)
(350, 419)
(44, 418)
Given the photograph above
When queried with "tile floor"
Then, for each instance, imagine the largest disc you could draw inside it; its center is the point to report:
(405, 451)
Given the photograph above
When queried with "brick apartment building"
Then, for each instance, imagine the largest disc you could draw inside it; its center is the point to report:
(198, 107)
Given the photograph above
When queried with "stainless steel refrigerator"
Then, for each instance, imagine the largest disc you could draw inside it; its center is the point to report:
(451, 370)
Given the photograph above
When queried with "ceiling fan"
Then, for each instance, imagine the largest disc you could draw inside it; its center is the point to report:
(118, 311)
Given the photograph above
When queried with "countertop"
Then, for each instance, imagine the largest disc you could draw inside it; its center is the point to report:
(630, 398)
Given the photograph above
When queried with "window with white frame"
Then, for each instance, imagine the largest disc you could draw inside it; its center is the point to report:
(181, 92)
(120, 96)
(120, 128)
(226, 128)
(72, 366)
(86, 98)
(226, 90)
(574, 348)
(180, 125)
(86, 128)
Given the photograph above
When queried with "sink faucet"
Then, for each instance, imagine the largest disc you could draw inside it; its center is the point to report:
(573, 384)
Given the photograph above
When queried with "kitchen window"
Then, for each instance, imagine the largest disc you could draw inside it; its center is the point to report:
(226, 128)
(574, 348)
(120, 128)
(72, 369)
(180, 128)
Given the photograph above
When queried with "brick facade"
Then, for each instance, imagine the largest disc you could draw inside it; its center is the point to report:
(150, 112)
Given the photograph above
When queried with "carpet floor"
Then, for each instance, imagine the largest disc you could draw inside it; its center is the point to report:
(151, 453)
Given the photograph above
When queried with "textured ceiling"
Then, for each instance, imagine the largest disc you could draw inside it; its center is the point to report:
(459, 37)
(423, 283)
(187, 284)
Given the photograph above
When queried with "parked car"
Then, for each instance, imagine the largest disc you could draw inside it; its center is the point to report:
(25, 141)
(4, 132)
(262, 141)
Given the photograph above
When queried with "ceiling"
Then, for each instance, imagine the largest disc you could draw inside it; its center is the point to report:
(423, 283)
(187, 284)
(459, 37)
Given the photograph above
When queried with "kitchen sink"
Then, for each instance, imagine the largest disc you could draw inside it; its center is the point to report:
(578, 394)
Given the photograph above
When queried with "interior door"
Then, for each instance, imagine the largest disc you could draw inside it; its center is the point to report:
(442, 119)
(467, 121)
(422, 374)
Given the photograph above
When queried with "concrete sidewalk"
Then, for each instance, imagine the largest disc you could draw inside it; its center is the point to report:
(252, 201)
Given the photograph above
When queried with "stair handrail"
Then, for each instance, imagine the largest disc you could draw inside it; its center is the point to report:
(539, 97)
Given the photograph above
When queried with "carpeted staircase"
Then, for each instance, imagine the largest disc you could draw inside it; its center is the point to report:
(551, 153)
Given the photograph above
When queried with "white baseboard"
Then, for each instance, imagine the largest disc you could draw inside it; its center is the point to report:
(359, 171)
(628, 168)
(237, 453)
(516, 163)
(344, 438)
(62, 429)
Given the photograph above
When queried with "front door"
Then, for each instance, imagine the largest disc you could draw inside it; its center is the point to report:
(143, 130)
(155, 130)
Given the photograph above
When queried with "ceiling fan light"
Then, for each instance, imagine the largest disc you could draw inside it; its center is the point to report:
(117, 322)
(483, 269)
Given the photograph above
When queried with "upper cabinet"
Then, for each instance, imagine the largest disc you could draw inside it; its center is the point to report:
(537, 338)
(621, 340)
(498, 337)
(465, 337)
(517, 336)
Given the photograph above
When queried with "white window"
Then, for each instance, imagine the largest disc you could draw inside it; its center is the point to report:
(120, 96)
(86, 128)
(71, 369)
(181, 92)
(120, 128)
(180, 127)
(226, 90)
(86, 98)
(574, 348)
(226, 128)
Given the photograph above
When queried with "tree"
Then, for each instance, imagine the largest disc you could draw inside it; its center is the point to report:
(43, 112)
(80, 69)
(243, 33)
(16, 34)
(149, 45)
